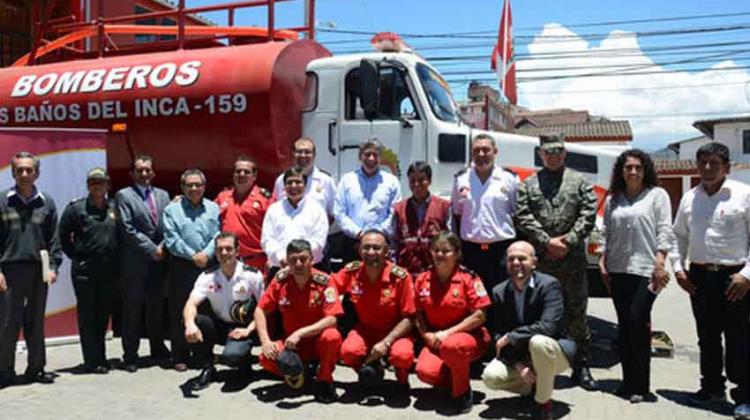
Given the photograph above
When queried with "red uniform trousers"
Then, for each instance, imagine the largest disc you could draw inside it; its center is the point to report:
(451, 366)
(359, 341)
(324, 347)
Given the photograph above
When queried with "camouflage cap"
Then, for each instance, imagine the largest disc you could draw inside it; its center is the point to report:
(552, 141)
(97, 174)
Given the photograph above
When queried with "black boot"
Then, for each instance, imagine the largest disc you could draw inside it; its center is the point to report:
(204, 379)
(582, 376)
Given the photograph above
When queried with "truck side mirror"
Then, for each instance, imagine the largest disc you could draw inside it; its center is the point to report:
(369, 87)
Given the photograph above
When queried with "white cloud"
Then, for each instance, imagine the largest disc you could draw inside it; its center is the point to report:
(727, 93)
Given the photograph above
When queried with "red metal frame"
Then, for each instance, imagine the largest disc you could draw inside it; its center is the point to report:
(101, 27)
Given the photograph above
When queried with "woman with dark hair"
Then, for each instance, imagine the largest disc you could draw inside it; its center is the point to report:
(636, 237)
(450, 314)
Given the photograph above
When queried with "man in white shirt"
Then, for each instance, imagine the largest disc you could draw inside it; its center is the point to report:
(297, 216)
(232, 291)
(483, 203)
(365, 199)
(320, 187)
(712, 228)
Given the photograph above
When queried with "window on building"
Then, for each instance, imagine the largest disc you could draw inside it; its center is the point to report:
(746, 142)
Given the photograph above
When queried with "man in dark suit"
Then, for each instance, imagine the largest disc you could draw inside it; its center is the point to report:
(142, 262)
(528, 309)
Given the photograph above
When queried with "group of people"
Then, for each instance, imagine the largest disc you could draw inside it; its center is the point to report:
(427, 284)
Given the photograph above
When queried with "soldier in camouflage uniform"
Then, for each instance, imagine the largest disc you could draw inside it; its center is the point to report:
(557, 210)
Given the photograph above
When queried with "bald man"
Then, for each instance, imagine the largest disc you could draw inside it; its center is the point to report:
(528, 309)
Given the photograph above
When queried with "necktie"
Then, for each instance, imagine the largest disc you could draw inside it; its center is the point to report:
(151, 204)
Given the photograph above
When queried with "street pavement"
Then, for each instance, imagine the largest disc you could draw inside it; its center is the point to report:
(156, 393)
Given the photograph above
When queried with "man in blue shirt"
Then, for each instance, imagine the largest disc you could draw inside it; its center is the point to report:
(190, 226)
(365, 198)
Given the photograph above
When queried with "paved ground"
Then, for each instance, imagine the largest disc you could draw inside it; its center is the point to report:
(154, 393)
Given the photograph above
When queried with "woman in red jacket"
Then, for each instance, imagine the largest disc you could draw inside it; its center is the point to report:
(450, 314)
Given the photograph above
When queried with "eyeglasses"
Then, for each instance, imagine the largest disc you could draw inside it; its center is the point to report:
(303, 152)
(554, 151)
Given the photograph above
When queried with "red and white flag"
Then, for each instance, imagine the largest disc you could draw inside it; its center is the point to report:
(502, 56)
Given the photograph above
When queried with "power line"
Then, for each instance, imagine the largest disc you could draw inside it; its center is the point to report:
(542, 39)
(625, 66)
(634, 89)
(611, 74)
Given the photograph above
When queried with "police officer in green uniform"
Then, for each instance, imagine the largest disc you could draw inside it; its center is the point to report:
(556, 211)
(88, 234)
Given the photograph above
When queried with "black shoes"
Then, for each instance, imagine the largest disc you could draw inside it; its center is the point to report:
(204, 379)
(7, 379)
(582, 376)
(703, 397)
(130, 367)
(325, 393)
(464, 402)
(39, 376)
(98, 369)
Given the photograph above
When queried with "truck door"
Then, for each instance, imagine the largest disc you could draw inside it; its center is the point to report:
(396, 122)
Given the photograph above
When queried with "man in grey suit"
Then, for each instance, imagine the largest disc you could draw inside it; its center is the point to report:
(528, 309)
(142, 263)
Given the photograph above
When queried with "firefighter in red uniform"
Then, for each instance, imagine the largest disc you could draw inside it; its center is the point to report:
(450, 313)
(309, 304)
(242, 210)
(418, 219)
(382, 296)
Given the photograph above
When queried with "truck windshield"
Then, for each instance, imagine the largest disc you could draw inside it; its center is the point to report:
(438, 94)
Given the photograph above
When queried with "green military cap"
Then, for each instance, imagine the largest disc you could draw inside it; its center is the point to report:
(552, 141)
(97, 174)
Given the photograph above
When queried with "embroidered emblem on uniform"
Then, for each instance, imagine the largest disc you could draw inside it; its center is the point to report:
(284, 302)
(315, 298)
(424, 292)
(455, 292)
(242, 290)
(479, 288)
(404, 230)
(356, 290)
(386, 292)
(464, 191)
(256, 205)
(330, 295)
(504, 188)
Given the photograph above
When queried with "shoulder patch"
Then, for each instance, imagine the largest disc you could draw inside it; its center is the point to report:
(321, 279)
(282, 274)
(461, 172)
(353, 266)
(511, 171)
(467, 270)
(399, 272)
(250, 268)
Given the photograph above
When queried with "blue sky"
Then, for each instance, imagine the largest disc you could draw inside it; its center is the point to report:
(673, 109)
